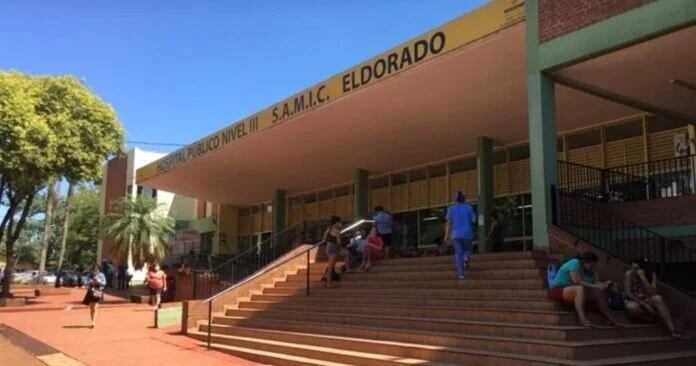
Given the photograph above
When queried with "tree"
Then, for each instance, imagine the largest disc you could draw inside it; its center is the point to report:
(83, 230)
(51, 197)
(50, 127)
(64, 226)
(140, 230)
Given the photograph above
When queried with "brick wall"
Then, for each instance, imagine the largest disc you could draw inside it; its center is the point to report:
(115, 189)
(559, 17)
(673, 211)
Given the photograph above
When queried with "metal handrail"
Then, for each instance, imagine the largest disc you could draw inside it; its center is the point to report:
(252, 277)
(255, 248)
(575, 212)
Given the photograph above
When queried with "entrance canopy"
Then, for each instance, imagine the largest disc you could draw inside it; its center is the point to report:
(658, 75)
(471, 82)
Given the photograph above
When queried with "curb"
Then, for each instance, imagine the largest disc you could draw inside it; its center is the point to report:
(42, 351)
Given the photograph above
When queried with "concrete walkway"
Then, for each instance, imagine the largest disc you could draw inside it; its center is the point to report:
(124, 334)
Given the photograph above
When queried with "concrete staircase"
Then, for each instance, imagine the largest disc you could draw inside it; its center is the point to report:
(413, 311)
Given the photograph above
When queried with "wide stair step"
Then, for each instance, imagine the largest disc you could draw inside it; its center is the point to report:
(414, 311)
(422, 344)
(493, 303)
(413, 292)
(306, 311)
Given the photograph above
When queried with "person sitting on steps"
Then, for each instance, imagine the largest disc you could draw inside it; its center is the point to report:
(576, 284)
(643, 302)
(375, 249)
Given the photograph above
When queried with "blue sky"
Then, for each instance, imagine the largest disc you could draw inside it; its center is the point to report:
(177, 70)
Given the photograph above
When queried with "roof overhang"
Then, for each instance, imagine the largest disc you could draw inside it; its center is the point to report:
(432, 110)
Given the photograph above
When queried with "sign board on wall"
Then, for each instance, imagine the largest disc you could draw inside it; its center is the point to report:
(479, 23)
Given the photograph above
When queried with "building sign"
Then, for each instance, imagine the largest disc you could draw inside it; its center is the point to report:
(468, 28)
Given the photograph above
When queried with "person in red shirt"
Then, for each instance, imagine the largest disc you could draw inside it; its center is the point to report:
(157, 283)
(373, 250)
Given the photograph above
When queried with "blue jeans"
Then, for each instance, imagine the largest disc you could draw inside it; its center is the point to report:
(462, 252)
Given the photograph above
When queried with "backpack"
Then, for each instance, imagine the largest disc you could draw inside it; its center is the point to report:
(551, 271)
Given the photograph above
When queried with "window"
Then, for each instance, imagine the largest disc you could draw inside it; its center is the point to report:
(244, 243)
(437, 171)
(310, 198)
(584, 139)
(417, 175)
(378, 183)
(659, 123)
(511, 213)
(463, 165)
(405, 230)
(519, 153)
(342, 191)
(296, 201)
(398, 179)
(559, 144)
(325, 195)
(244, 212)
(623, 131)
(432, 225)
(499, 157)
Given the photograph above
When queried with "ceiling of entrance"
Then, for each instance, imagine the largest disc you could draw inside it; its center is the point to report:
(432, 112)
(643, 73)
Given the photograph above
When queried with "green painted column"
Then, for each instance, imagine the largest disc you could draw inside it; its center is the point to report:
(484, 165)
(279, 209)
(541, 103)
(362, 192)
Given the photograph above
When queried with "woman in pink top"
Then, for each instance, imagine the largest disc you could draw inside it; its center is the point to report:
(373, 250)
(157, 283)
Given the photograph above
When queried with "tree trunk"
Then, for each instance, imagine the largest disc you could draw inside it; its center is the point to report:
(65, 224)
(12, 234)
(50, 197)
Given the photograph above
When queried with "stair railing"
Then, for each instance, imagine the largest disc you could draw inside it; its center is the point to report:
(579, 208)
(207, 283)
(306, 252)
(665, 178)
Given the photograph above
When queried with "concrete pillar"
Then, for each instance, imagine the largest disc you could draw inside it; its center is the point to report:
(541, 109)
(484, 165)
(362, 192)
(279, 209)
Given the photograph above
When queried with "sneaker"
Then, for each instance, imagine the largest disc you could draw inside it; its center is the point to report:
(462, 277)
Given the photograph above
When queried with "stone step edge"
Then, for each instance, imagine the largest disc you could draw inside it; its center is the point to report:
(409, 361)
(588, 343)
(241, 351)
(429, 307)
(324, 297)
(347, 353)
(432, 320)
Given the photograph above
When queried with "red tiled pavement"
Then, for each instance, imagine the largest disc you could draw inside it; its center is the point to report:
(124, 334)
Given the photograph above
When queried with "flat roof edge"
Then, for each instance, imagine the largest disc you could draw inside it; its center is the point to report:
(465, 29)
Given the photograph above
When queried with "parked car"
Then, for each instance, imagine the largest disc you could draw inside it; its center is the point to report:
(49, 277)
(69, 279)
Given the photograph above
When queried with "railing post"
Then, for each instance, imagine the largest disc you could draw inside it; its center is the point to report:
(662, 253)
(308, 272)
(194, 273)
(210, 321)
(554, 205)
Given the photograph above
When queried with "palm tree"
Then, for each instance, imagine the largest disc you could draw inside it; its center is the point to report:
(139, 230)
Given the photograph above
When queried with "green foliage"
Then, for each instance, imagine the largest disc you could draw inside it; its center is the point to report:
(50, 127)
(83, 232)
(139, 229)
